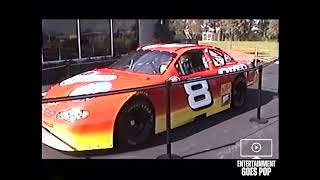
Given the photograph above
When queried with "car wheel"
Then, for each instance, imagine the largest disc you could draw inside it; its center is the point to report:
(239, 91)
(135, 124)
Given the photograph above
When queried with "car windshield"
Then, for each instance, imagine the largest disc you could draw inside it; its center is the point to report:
(143, 61)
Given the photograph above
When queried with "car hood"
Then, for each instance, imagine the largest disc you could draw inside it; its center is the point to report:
(101, 80)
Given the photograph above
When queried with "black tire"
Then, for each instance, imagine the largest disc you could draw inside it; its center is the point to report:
(135, 124)
(239, 92)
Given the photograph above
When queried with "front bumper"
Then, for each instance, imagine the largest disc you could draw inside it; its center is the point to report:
(64, 139)
(53, 141)
(91, 133)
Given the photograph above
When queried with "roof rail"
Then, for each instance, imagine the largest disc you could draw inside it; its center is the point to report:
(142, 46)
(193, 45)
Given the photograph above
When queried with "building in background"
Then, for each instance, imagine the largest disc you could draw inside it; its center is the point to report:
(82, 38)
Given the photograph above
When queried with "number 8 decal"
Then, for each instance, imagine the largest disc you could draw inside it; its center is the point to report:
(199, 95)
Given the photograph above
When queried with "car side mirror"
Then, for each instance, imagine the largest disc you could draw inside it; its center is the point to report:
(174, 79)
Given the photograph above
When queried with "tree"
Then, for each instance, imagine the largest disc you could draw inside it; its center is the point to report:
(229, 29)
(195, 27)
(253, 28)
(273, 30)
(263, 26)
(177, 26)
(242, 29)
(162, 32)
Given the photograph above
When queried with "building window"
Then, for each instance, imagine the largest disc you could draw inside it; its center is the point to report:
(95, 37)
(125, 35)
(59, 39)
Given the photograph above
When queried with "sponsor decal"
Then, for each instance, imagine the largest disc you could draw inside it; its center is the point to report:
(47, 112)
(141, 92)
(235, 68)
(225, 99)
(225, 88)
(217, 58)
(48, 124)
(227, 58)
(225, 94)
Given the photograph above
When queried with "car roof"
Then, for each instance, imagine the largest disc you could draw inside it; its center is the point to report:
(174, 47)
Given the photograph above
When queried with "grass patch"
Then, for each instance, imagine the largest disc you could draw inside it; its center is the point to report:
(265, 48)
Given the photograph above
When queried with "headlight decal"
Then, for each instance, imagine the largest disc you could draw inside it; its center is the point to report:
(73, 114)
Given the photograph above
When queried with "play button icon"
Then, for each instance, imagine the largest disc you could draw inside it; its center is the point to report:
(256, 147)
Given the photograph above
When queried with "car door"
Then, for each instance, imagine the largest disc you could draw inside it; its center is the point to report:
(221, 62)
(198, 98)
